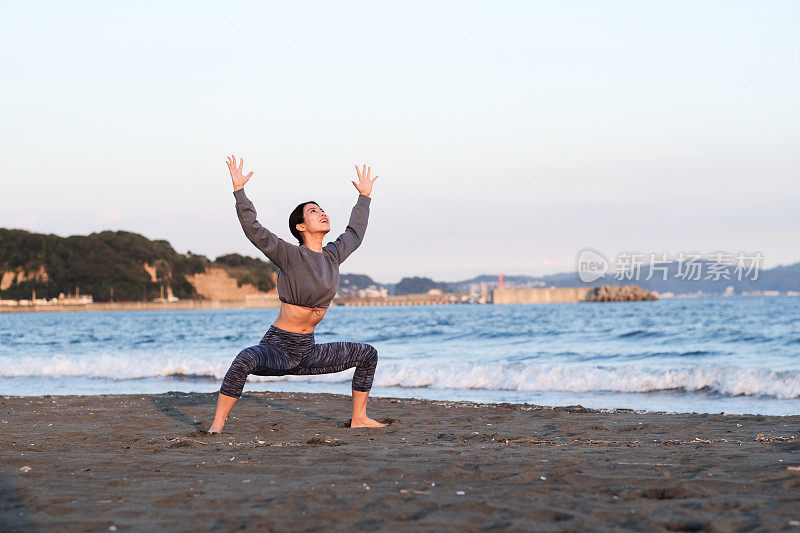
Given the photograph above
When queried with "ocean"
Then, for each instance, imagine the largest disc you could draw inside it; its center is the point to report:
(715, 354)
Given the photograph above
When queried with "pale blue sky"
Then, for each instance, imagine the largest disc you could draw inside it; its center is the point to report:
(507, 136)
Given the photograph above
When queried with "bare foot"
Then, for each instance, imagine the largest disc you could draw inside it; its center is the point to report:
(365, 422)
(215, 429)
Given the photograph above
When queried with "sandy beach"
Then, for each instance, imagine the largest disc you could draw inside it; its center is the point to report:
(288, 461)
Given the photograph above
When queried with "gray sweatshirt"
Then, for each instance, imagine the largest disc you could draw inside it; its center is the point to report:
(305, 277)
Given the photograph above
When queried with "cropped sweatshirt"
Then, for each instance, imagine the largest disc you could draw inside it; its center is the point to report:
(305, 277)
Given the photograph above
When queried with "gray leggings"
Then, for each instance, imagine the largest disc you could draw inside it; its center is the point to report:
(283, 352)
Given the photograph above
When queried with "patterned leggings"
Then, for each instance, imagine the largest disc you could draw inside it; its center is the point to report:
(283, 352)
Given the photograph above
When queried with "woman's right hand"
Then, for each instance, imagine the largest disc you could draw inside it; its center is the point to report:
(236, 173)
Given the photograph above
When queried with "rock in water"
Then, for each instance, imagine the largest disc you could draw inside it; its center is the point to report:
(618, 293)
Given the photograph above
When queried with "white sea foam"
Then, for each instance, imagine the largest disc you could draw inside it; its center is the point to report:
(726, 380)
(507, 376)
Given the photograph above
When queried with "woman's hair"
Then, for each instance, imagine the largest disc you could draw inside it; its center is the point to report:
(296, 217)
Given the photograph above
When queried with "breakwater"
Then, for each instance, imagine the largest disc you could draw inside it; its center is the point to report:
(606, 293)
(406, 299)
(498, 296)
(540, 296)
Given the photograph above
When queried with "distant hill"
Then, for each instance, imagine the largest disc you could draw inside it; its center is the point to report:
(418, 285)
(117, 265)
(260, 274)
(350, 284)
(780, 278)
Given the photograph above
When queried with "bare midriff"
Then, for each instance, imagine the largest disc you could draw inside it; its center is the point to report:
(299, 319)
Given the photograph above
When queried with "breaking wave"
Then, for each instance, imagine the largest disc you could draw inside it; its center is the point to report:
(500, 375)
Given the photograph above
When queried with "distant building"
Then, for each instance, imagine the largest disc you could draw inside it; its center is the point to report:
(76, 299)
(373, 291)
(729, 291)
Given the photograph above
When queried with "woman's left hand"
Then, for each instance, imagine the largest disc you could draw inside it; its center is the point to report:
(364, 184)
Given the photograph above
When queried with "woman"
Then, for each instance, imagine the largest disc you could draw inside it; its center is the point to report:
(308, 277)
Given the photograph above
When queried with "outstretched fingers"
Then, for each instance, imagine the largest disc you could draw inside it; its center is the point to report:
(364, 172)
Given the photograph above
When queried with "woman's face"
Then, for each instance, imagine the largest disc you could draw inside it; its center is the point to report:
(315, 220)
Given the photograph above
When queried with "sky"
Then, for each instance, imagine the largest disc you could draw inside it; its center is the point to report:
(507, 136)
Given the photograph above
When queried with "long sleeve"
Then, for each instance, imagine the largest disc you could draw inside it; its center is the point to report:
(346, 243)
(276, 249)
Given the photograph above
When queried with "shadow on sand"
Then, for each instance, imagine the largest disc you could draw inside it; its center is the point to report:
(13, 511)
(173, 405)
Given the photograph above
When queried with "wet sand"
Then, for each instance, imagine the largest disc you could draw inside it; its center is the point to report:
(287, 461)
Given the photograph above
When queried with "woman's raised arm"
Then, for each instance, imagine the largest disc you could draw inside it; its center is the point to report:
(346, 243)
(276, 249)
